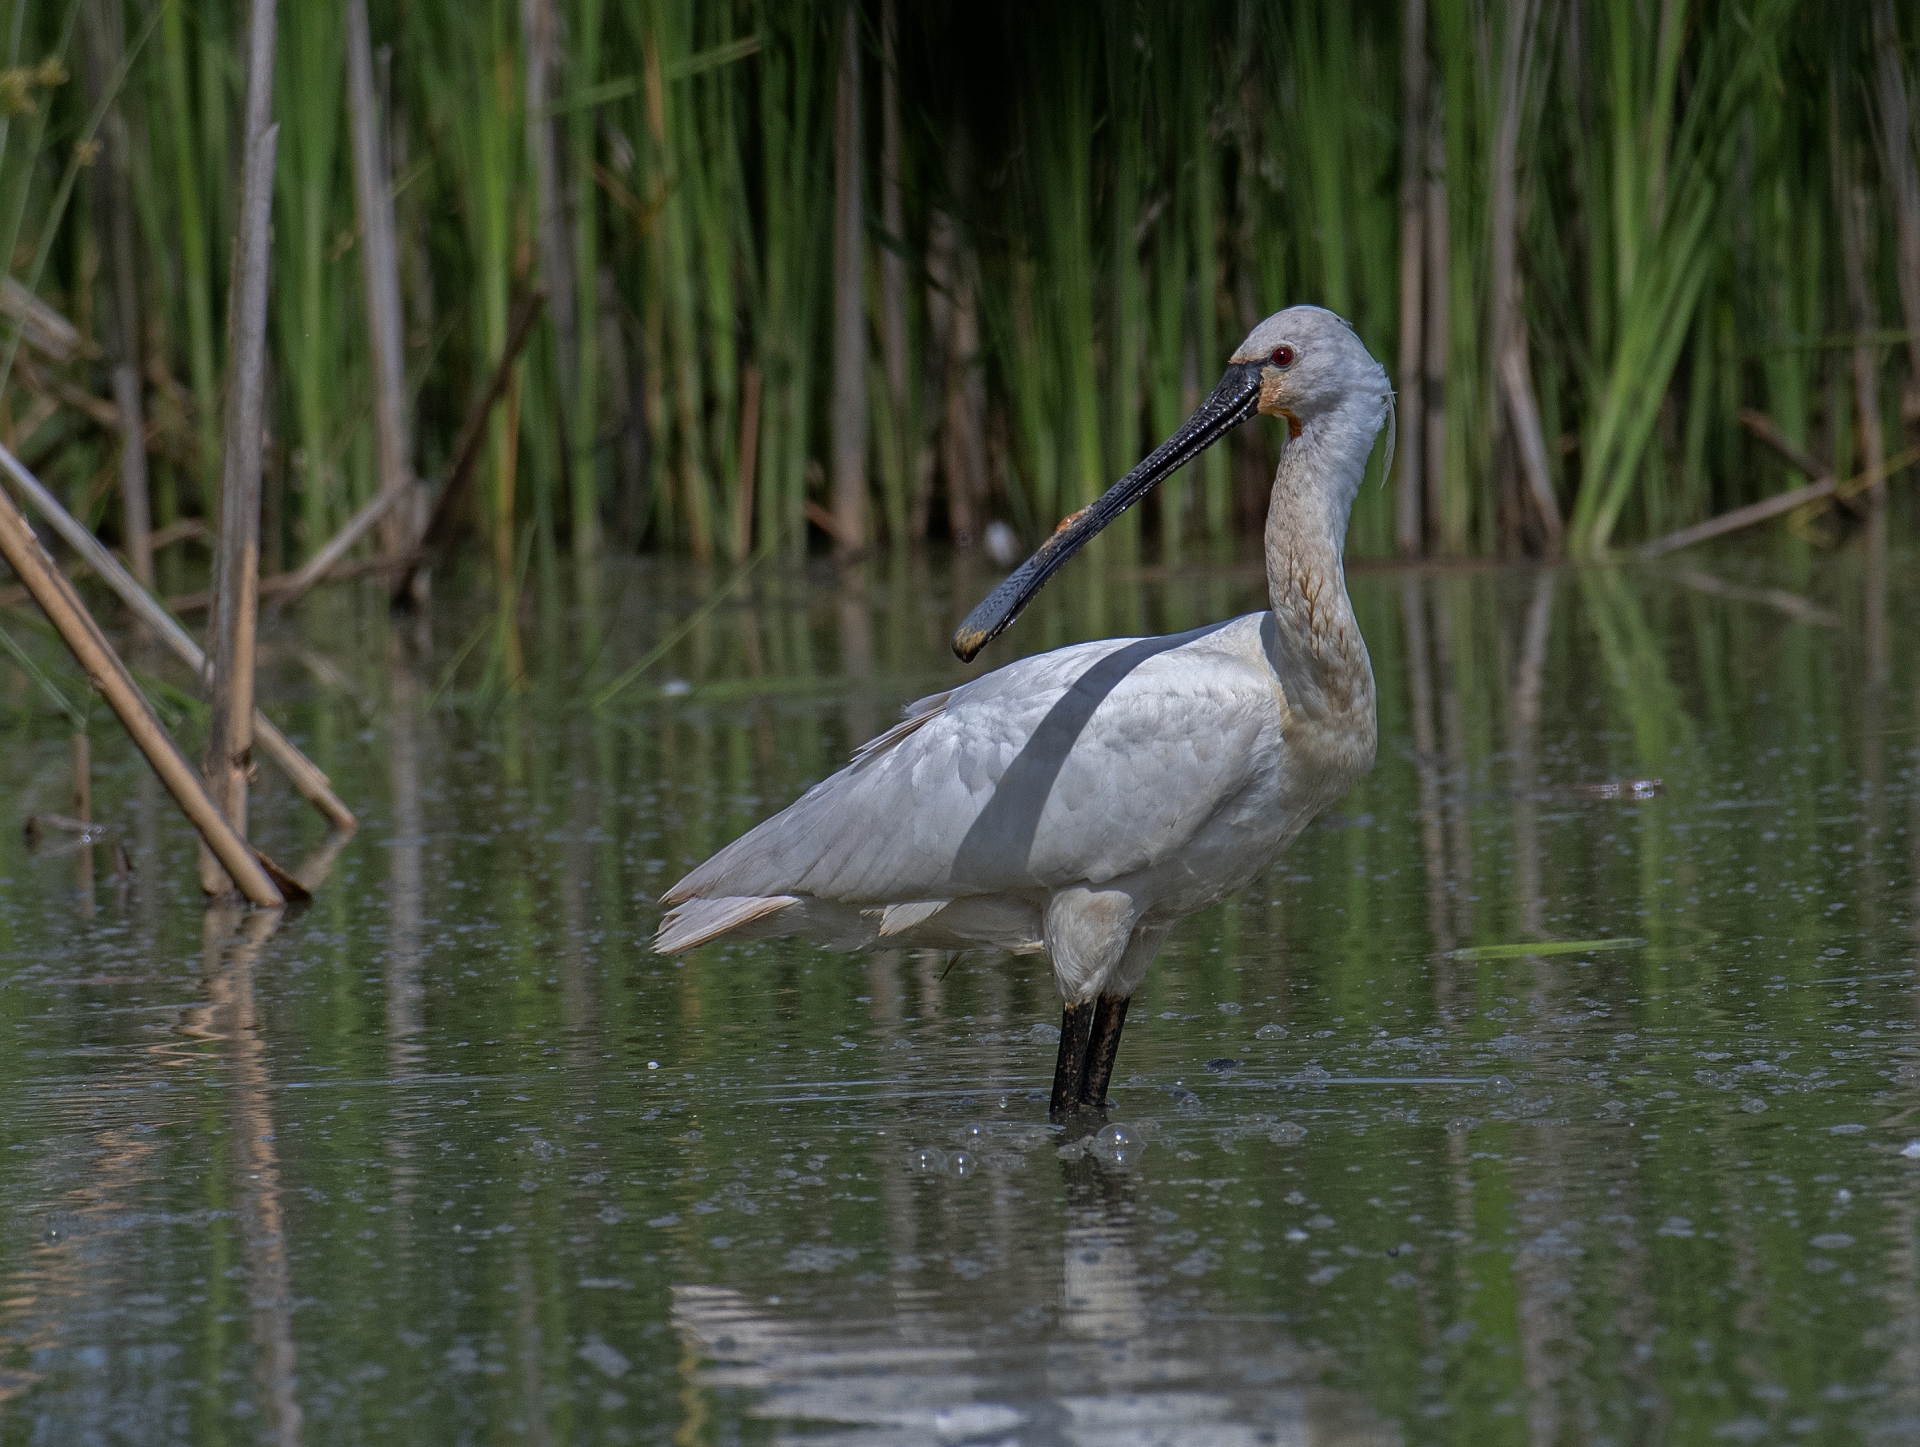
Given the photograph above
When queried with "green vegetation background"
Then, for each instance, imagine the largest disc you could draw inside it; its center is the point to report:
(1107, 195)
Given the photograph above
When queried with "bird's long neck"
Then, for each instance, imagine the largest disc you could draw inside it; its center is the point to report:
(1320, 653)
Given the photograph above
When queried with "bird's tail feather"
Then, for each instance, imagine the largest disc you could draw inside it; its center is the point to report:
(699, 921)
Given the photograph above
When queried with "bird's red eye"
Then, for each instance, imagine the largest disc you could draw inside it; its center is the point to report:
(1282, 356)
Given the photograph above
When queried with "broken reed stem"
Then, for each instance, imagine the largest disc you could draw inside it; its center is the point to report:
(1754, 512)
(380, 269)
(89, 646)
(275, 584)
(473, 434)
(1740, 517)
(1766, 430)
(295, 585)
(237, 562)
(301, 771)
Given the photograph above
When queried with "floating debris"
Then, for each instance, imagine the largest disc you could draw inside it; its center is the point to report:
(1613, 789)
(1544, 947)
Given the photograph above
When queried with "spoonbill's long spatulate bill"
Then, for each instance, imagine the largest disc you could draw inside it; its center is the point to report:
(1230, 404)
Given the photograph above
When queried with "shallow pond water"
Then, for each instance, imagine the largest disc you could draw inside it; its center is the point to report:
(1527, 1100)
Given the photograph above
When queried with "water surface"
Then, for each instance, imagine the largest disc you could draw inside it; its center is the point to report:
(1518, 1104)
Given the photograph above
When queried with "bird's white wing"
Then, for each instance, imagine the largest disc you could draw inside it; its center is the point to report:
(1081, 764)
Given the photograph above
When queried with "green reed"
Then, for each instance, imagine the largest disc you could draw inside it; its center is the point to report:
(313, 276)
(1132, 185)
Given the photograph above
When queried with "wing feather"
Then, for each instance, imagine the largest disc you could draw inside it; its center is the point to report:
(1081, 764)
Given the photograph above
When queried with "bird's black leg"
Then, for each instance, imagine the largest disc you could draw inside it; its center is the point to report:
(1109, 1018)
(1076, 1024)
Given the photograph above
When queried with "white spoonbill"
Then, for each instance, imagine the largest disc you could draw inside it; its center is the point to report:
(1079, 803)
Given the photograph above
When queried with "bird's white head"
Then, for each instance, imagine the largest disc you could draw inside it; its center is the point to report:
(1311, 365)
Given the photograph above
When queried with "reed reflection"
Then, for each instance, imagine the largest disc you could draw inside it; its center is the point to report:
(234, 941)
(1524, 735)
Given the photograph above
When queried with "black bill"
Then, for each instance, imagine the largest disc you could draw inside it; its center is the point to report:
(1230, 404)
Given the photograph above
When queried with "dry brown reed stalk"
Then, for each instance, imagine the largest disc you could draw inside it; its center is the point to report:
(113, 203)
(317, 568)
(893, 261)
(1767, 431)
(849, 483)
(473, 433)
(749, 448)
(68, 615)
(1855, 220)
(1740, 517)
(380, 273)
(540, 43)
(1411, 377)
(229, 755)
(274, 586)
(1824, 491)
(1438, 229)
(1903, 181)
(1509, 321)
(301, 771)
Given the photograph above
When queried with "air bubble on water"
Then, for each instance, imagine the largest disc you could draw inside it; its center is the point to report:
(1271, 1032)
(1753, 1105)
(1045, 1033)
(1287, 1133)
(963, 1164)
(1117, 1145)
(1295, 1235)
(1229, 1007)
(1316, 1074)
(1499, 1085)
(973, 1134)
(653, 1065)
(676, 688)
(1911, 1150)
(930, 1159)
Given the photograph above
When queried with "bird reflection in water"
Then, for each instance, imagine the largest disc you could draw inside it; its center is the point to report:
(1095, 1351)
